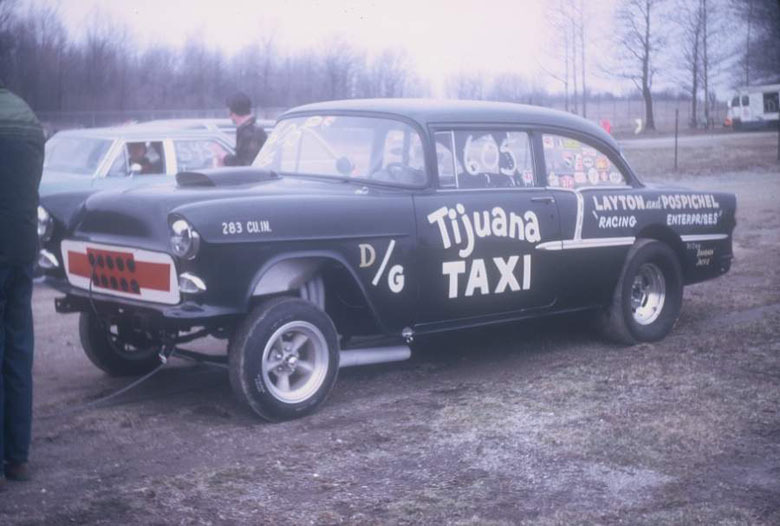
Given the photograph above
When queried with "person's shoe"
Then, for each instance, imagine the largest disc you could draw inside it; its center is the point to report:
(17, 471)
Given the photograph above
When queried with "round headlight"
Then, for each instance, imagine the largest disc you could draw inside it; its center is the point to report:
(45, 225)
(185, 241)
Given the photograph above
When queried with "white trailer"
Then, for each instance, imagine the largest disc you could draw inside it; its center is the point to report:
(754, 107)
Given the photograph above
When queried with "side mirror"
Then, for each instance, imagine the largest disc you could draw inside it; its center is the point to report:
(135, 169)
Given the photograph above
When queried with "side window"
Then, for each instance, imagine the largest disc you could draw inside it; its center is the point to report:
(119, 168)
(146, 158)
(199, 154)
(402, 158)
(486, 159)
(735, 102)
(573, 164)
(745, 100)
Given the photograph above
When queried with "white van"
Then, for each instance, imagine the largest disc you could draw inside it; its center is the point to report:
(754, 107)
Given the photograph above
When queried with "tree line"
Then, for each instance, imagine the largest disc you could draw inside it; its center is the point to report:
(690, 45)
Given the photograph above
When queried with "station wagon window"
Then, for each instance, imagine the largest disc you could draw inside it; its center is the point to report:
(147, 157)
(119, 168)
(367, 148)
(75, 155)
(745, 100)
(484, 159)
(735, 102)
(197, 154)
(574, 164)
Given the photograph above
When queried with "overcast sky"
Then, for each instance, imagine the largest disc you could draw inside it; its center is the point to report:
(441, 36)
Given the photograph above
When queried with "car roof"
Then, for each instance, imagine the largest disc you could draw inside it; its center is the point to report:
(429, 111)
(188, 122)
(140, 131)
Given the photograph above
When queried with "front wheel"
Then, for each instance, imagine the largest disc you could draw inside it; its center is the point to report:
(117, 349)
(647, 298)
(284, 359)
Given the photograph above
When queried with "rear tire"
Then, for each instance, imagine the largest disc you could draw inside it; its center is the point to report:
(648, 296)
(113, 353)
(284, 359)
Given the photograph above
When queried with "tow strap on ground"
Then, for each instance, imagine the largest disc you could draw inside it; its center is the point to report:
(165, 354)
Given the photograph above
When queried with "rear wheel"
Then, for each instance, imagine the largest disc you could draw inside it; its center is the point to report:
(648, 296)
(116, 349)
(284, 359)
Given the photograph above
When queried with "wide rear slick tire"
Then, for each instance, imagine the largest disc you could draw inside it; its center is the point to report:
(647, 298)
(284, 359)
(111, 355)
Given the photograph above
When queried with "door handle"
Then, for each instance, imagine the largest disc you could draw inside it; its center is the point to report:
(543, 199)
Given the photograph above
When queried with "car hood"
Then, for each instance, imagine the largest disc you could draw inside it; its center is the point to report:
(141, 214)
(56, 182)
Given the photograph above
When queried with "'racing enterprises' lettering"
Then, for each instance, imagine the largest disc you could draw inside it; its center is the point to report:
(495, 222)
(710, 218)
(617, 221)
(623, 202)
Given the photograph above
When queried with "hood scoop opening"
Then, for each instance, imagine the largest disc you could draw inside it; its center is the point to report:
(223, 177)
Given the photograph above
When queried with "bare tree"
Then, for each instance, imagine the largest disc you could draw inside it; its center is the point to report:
(568, 19)
(760, 56)
(510, 87)
(342, 64)
(386, 75)
(689, 21)
(639, 37)
(580, 26)
(466, 85)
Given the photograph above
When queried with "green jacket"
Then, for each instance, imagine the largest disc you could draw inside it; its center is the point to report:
(21, 164)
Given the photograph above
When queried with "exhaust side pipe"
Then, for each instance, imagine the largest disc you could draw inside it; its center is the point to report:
(374, 355)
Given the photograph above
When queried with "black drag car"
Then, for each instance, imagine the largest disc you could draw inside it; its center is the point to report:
(362, 224)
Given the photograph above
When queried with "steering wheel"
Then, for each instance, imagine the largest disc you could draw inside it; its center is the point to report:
(391, 173)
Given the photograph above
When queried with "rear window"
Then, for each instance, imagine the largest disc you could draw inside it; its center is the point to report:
(574, 164)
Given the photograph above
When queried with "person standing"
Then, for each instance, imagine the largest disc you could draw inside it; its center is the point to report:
(21, 163)
(249, 137)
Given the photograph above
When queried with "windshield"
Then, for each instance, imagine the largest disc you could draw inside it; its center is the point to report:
(77, 155)
(362, 148)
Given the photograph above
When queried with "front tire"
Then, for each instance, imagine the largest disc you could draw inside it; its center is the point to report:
(116, 350)
(648, 296)
(284, 359)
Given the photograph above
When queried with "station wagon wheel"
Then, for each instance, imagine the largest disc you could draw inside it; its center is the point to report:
(284, 358)
(116, 349)
(646, 301)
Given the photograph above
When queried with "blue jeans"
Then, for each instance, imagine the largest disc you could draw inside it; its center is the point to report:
(16, 357)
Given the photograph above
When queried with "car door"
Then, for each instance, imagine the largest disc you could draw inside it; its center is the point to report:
(597, 203)
(477, 231)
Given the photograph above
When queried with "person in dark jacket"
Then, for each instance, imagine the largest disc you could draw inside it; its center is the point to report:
(249, 137)
(21, 164)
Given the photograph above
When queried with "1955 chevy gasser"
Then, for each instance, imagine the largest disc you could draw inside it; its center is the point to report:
(382, 217)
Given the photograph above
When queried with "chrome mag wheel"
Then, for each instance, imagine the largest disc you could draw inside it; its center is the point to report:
(294, 362)
(648, 293)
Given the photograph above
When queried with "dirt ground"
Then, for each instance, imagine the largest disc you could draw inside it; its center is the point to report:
(534, 423)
